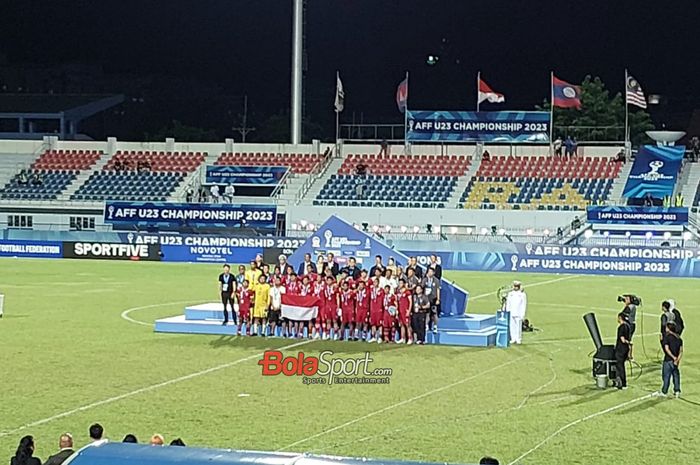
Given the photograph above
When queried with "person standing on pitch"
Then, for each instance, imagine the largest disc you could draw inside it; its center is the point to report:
(516, 304)
(227, 287)
(622, 350)
(673, 352)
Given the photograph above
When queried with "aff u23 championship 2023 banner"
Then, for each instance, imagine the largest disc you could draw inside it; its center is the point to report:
(655, 172)
(191, 214)
(246, 175)
(482, 126)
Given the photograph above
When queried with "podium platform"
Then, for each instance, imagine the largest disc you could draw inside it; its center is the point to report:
(474, 330)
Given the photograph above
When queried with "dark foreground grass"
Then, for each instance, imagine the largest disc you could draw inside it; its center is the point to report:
(68, 359)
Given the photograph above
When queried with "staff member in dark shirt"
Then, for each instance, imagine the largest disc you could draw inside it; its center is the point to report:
(413, 264)
(622, 350)
(352, 270)
(227, 287)
(421, 307)
(673, 352)
(377, 265)
(431, 286)
(437, 268)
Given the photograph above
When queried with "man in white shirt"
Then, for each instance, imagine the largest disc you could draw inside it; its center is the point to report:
(214, 190)
(516, 304)
(230, 191)
(275, 312)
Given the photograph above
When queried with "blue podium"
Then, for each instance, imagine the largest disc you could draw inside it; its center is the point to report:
(502, 328)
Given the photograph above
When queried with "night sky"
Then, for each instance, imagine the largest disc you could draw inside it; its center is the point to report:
(243, 47)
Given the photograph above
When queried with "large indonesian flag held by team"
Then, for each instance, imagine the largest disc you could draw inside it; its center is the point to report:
(297, 307)
(486, 93)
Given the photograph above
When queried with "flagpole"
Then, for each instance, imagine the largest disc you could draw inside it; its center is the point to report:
(551, 111)
(478, 80)
(626, 113)
(405, 119)
(337, 113)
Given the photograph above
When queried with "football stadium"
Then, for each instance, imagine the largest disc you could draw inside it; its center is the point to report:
(433, 279)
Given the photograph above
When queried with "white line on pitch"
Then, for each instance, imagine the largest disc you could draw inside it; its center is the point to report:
(539, 283)
(125, 313)
(399, 404)
(576, 422)
(152, 387)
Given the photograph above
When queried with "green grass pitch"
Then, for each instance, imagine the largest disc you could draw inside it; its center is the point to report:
(68, 358)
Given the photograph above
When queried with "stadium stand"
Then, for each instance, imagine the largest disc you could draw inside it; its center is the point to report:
(55, 170)
(419, 181)
(300, 163)
(540, 183)
(167, 170)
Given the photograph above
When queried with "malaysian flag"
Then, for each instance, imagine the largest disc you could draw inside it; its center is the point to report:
(634, 94)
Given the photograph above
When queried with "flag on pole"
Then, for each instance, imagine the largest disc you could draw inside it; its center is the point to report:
(339, 95)
(300, 308)
(565, 95)
(634, 93)
(487, 94)
(402, 95)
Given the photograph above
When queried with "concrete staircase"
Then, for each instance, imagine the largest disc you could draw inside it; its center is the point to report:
(289, 193)
(688, 182)
(618, 186)
(13, 163)
(321, 179)
(463, 182)
(83, 176)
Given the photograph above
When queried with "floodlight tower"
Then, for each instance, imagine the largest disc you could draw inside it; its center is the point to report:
(297, 69)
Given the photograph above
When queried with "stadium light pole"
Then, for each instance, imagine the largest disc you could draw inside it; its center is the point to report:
(297, 50)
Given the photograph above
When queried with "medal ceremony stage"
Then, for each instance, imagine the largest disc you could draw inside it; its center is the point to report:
(463, 330)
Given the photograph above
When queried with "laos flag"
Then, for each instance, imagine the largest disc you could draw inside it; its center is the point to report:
(565, 95)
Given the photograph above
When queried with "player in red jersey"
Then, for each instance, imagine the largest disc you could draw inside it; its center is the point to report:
(245, 298)
(389, 316)
(405, 301)
(361, 310)
(376, 310)
(347, 307)
(292, 287)
(329, 317)
(318, 288)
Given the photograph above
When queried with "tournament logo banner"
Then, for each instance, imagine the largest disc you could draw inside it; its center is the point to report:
(638, 215)
(111, 251)
(191, 214)
(243, 175)
(655, 171)
(482, 126)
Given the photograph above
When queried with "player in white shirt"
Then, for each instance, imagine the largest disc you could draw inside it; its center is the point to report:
(275, 313)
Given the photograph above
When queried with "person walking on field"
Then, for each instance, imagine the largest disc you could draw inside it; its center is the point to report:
(516, 304)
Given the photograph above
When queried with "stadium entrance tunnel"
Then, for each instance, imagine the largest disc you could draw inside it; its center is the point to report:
(112, 453)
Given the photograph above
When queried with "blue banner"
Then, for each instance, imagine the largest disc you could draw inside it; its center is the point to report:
(257, 175)
(655, 171)
(31, 249)
(638, 215)
(191, 214)
(483, 126)
(536, 258)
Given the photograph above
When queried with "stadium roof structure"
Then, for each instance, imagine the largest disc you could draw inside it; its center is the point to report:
(39, 115)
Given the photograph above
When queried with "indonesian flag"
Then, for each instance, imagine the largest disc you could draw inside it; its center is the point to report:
(487, 94)
(300, 307)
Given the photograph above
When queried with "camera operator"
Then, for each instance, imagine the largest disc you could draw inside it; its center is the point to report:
(667, 316)
(630, 311)
(622, 350)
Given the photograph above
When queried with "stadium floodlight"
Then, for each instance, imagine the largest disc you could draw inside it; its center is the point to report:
(528, 231)
(628, 234)
(416, 229)
(501, 232)
(295, 226)
(311, 227)
(546, 232)
(375, 228)
(387, 228)
(606, 233)
(649, 235)
(484, 231)
(404, 228)
(303, 223)
(588, 234)
(572, 233)
(453, 229)
(687, 235)
(357, 226)
(470, 230)
(667, 235)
